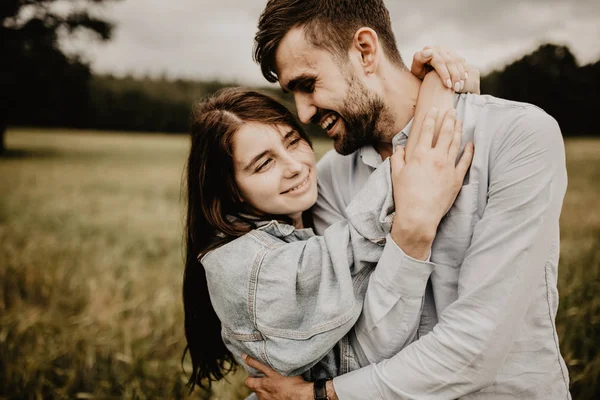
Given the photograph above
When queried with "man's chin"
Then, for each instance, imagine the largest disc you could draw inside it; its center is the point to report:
(342, 147)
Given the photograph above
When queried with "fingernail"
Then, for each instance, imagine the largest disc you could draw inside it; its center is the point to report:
(244, 356)
(462, 85)
(449, 84)
(427, 53)
(466, 76)
(457, 86)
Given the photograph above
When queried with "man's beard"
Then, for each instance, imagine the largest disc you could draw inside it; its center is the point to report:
(365, 116)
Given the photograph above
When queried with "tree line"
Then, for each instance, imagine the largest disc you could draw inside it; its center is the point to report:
(549, 77)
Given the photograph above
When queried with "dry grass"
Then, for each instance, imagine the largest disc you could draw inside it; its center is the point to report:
(91, 264)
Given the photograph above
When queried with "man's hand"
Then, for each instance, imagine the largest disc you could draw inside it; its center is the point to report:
(427, 181)
(454, 71)
(274, 386)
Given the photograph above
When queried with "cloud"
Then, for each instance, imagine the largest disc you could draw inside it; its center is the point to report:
(204, 39)
(491, 34)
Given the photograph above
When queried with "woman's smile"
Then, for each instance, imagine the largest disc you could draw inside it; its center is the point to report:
(299, 188)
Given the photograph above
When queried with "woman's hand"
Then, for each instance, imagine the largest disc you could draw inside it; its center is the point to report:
(427, 181)
(274, 386)
(454, 71)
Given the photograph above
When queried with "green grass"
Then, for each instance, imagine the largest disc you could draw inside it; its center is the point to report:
(91, 263)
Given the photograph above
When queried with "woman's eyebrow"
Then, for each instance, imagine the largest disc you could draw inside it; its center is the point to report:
(255, 159)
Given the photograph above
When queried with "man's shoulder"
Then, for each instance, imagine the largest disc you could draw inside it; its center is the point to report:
(489, 104)
(496, 117)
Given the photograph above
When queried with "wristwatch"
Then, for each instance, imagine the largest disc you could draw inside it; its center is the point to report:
(320, 390)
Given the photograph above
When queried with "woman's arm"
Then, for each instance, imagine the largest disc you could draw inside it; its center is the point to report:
(415, 224)
(447, 145)
(432, 94)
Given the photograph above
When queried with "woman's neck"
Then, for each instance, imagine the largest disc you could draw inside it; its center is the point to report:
(297, 220)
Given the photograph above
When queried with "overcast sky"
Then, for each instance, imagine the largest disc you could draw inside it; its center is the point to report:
(205, 39)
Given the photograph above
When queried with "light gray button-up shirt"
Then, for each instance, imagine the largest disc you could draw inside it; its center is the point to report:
(487, 329)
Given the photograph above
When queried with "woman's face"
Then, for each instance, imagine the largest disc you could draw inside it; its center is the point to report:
(275, 169)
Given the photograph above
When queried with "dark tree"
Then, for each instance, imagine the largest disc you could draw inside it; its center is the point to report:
(39, 84)
(552, 79)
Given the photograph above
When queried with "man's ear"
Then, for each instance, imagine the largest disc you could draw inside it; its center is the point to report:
(366, 43)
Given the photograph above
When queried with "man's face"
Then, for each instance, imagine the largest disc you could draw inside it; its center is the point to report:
(330, 93)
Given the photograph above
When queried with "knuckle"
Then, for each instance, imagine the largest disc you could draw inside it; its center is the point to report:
(438, 163)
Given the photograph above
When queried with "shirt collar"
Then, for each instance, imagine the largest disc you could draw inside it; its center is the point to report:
(371, 157)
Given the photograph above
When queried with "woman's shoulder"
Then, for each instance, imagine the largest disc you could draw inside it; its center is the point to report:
(265, 236)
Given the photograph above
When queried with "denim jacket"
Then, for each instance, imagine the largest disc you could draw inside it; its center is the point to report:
(289, 298)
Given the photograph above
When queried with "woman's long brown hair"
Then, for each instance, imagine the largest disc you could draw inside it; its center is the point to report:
(212, 196)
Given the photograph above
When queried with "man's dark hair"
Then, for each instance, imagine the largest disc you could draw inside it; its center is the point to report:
(328, 24)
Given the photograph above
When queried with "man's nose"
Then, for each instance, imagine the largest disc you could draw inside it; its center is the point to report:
(306, 110)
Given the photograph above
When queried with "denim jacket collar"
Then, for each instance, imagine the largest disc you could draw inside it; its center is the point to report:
(276, 228)
(281, 229)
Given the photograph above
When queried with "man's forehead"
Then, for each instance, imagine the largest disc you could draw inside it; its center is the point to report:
(295, 56)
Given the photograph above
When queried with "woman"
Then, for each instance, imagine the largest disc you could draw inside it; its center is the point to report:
(278, 292)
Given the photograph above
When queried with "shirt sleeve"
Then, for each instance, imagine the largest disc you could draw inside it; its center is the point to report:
(508, 252)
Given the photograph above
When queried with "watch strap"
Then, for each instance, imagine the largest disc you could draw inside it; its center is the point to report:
(320, 389)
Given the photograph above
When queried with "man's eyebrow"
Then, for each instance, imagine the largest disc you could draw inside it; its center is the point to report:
(291, 85)
(255, 159)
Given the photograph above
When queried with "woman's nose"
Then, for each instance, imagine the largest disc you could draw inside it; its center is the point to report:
(292, 167)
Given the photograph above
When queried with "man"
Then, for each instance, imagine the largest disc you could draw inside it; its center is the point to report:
(487, 329)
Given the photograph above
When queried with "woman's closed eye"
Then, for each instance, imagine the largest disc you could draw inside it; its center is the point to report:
(263, 165)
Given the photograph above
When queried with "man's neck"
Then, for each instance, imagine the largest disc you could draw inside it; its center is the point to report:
(401, 99)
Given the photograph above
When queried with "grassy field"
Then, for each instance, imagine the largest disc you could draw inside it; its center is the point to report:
(91, 262)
